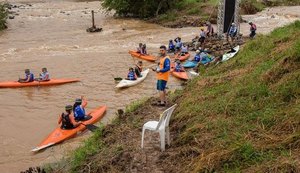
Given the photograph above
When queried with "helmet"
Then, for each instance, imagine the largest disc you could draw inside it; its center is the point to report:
(233, 23)
(69, 107)
(250, 22)
(170, 40)
(44, 69)
(197, 51)
(27, 71)
(78, 101)
(140, 62)
(130, 68)
(201, 28)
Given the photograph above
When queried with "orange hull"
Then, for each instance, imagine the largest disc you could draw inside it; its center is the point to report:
(59, 135)
(145, 57)
(182, 57)
(180, 75)
(15, 84)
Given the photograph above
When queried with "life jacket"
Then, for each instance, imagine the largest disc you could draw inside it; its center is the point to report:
(171, 46)
(202, 34)
(184, 49)
(131, 75)
(163, 75)
(178, 67)
(143, 51)
(197, 57)
(30, 76)
(45, 76)
(232, 31)
(139, 50)
(66, 122)
(79, 113)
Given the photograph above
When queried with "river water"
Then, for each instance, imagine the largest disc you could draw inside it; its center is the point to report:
(53, 34)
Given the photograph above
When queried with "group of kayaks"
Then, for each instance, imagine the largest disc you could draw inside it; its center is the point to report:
(58, 135)
(181, 75)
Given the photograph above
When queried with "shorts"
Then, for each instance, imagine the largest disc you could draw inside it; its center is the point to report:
(161, 85)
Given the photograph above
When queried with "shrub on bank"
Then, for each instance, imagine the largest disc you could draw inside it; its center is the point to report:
(3, 16)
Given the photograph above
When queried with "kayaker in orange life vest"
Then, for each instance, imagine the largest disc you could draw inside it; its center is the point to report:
(163, 72)
(66, 119)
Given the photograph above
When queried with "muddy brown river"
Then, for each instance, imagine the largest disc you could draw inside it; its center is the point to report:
(53, 34)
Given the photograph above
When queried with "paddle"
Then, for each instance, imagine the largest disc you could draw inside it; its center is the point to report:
(91, 127)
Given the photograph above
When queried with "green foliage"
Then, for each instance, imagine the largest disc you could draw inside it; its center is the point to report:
(3, 16)
(135, 105)
(146, 8)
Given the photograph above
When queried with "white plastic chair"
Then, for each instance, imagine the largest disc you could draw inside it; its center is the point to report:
(161, 126)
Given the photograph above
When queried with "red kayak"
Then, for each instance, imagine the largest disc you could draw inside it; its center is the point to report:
(15, 84)
(59, 135)
(145, 57)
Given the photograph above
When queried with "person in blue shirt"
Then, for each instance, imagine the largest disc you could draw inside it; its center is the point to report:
(232, 31)
(131, 74)
(178, 66)
(79, 110)
(29, 77)
(171, 46)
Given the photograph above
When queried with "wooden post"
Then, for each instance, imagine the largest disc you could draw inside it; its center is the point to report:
(93, 20)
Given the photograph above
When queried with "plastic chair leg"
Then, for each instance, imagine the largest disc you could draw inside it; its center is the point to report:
(168, 135)
(162, 140)
(143, 133)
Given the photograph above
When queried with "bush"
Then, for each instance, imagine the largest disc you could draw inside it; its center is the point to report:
(3, 16)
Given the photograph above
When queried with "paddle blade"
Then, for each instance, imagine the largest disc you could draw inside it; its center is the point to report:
(91, 127)
(118, 78)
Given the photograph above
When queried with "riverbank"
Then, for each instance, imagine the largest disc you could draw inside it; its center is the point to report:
(3, 15)
(244, 118)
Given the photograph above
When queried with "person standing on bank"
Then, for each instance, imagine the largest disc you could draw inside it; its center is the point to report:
(163, 72)
(252, 30)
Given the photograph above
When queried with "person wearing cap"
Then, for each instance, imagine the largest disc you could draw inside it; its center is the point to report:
(67, 119)
(178, 43)
(79, 110)
(171, 46)
(163, 72)
(232, 31)
(29, 77)
(44, 76)
(252, 30)
(131, 74)
(138, 68)
(197, 56)
(178, 66)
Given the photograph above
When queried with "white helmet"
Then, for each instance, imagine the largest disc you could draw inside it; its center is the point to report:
(197, 51)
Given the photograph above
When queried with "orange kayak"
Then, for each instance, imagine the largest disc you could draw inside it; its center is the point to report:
(145, 57)
(59, 135)
(181, 75)
(182, 57)
(15, 84)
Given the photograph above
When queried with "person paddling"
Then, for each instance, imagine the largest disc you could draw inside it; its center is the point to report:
(131, 74)
(44, 76)
(67, 120)
(178, 66)
(79, 111)
(29, 77)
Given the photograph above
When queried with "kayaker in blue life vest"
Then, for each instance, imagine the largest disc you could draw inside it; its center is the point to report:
(29, 77)
(204, 58)
(138, 68)
(79, 111)
(66, 119)
(178, 66)
(171, 46)
(197, 56)
(131, 74)
(184, 49)
(44, 76)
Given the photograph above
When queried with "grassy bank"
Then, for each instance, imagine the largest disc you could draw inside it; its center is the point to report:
(197, 12)
(240, 116)
(3, 16)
